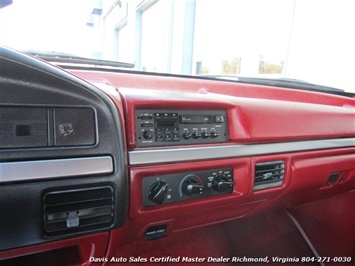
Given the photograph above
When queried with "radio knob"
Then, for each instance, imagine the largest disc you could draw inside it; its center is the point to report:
(196, 135)
(192, 186)
(222, 183)
(186, 135)
(147, 135)
(158, 192)
(214, 134)
(205, 135)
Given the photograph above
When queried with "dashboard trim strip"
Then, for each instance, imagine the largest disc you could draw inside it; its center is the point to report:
(28, 170)
(150, 156)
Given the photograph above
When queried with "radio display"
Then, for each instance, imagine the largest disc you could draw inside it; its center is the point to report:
(196, 119)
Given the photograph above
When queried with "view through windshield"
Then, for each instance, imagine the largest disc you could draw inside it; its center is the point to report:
(311, 40)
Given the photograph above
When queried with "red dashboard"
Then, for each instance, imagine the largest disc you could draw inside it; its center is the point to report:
(182, 156)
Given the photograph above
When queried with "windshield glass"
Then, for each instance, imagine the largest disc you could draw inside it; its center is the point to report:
(313, 41)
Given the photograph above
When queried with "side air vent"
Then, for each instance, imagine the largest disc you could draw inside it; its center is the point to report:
(80, 210)
(269, 174)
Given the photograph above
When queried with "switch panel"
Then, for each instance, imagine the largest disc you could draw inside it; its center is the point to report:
(30, 127)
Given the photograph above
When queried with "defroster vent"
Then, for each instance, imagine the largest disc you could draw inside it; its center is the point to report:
(80, 210)
(269, 174)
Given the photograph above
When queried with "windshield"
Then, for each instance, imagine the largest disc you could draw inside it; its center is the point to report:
(312, 41)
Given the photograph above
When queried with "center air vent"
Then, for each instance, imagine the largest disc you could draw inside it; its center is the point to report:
(269, 174)
(80, 210)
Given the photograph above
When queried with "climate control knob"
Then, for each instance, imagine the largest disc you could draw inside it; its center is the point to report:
(192, 185)
(222, 183)
(158, 192)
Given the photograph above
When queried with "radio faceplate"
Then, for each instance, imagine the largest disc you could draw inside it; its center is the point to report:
(176, 127)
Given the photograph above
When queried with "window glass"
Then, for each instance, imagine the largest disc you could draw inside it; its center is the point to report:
(309, 40)
(154, 37)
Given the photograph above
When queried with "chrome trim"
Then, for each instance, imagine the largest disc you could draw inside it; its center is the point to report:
(172, 155)
(28, 170)
(263, 186)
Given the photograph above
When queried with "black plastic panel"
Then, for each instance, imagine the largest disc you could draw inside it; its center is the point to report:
(180, 127)
(174, 185)
(23, 127)
(54, 97)
(74, 127)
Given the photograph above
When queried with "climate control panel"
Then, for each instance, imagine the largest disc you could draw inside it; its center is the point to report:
(170, 188)
(180, 127)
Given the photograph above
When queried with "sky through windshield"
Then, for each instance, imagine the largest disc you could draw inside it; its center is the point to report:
(308, 40)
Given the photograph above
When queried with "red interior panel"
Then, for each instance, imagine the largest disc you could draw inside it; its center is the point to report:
(203, 86)
(250, 120)
(75, 251)
(310, 177)
(266, 234)
(329, 225)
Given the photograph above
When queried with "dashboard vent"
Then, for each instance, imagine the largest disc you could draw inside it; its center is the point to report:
(269, 174)
(80, 210)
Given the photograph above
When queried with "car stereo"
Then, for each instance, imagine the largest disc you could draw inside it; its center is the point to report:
(177, 127)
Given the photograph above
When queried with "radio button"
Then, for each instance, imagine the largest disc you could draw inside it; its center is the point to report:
(219, 119)
(158, 116)
(166, 116)
(167, 131)
(159, 131)
(146, 124)
(176, 137)
(168, 137)
(174, 116)
(176, 130)
(159, 138)
(146, 117)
